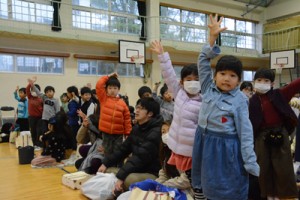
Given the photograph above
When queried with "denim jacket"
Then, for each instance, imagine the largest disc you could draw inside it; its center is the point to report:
(225, 112)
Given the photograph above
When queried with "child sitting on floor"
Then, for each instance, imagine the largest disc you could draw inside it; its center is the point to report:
(54, 142)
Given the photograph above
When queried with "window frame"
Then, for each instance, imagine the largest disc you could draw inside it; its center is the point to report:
(167, 21)
(130, 25)
(27, 13)
(39, 68)
(116, 68)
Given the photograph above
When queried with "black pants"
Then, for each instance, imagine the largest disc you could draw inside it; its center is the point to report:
(74, 129)
(23, 123)
(34, 123)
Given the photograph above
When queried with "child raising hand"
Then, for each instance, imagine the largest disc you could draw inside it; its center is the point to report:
(223, 153)
(186, 111)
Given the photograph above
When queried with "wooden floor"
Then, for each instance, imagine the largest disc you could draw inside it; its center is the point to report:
(23, 182)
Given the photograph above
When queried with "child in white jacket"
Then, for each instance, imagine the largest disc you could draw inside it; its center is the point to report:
(186, 93)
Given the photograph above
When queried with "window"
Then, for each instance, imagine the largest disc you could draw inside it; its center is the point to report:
(182, 25)
(93, 15)
(248, 75)
(31, 64)
(26, 11)
(3, 9)
(238, 34)
(189, 26)
(100, 67)
(177, 69)
(6, 63)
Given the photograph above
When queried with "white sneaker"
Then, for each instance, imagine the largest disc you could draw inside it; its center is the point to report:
(37, 167)
(60, 165)
(37, 148)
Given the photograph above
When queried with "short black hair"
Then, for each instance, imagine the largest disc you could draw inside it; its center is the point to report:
(48, 88)
(231, 63)
(63, 95)
(246, 84)
(37, 86)
(163, 90)
(188, 70)
(94, 119)
(167, 122)
(131, 109)
(59, 120)
(265, 73)
(93, 91)
(150, 105)
(22, 90)
(113, 81)
(85, 90)
(73, 89)
(143, 90)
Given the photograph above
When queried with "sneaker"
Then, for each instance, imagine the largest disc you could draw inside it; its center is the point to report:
(36, 167)
(60, 165)
(37, 148)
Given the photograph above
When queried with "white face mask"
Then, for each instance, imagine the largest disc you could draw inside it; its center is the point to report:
(164, 138)
(262, 87)
(191, 87)
(33, 94)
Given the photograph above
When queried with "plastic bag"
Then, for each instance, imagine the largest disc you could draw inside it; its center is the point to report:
(137, 193)
(100, 186)
(124, 196)
(152, 185)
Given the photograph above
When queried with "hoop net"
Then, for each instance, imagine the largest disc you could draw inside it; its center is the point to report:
(278, 68)
(137, 60)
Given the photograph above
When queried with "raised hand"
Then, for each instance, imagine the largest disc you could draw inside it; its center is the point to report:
(156, 47)
(81, 114)
(157, 83)
(17, 88)
(102, 168)
(30, 81)
(89, 85)
(114, 74)
(34, 78)
(214, 28)
(101, 149)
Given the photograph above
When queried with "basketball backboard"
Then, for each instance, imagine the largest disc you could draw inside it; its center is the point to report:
(282, 59)
(130, 50)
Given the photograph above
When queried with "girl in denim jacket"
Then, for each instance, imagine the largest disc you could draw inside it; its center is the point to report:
(223, 152)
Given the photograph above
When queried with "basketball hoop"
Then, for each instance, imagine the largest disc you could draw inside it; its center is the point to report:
(278, 68)
(137, 60)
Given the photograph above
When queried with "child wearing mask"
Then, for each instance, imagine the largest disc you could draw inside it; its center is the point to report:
(35, 111)
(186, 110)
(169, 175)
(273, 121)
(223, 153)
